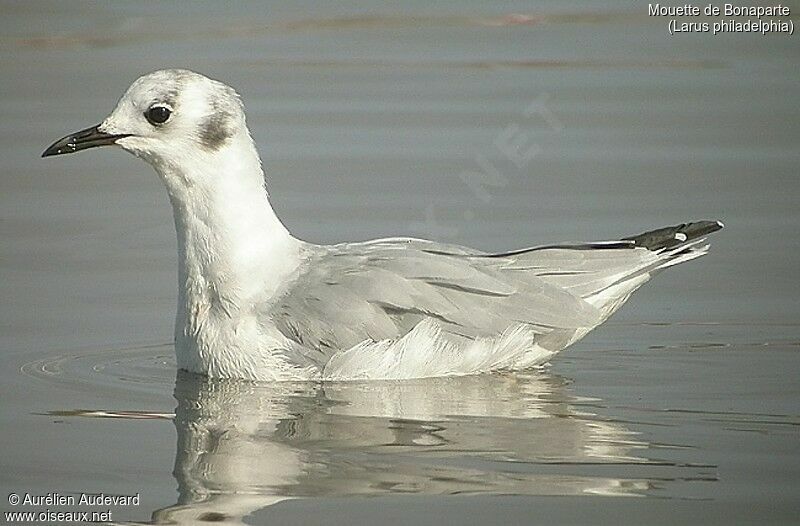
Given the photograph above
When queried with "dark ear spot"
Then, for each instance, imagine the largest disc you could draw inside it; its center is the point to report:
(216, 130)
(212, 516)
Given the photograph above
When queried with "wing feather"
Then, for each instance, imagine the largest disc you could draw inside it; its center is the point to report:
(354, 292)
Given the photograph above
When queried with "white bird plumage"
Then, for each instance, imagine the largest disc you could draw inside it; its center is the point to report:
(256, 303)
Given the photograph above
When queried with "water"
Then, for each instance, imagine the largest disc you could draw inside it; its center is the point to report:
(372, 121)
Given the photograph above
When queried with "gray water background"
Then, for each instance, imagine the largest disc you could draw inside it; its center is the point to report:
(372, 120)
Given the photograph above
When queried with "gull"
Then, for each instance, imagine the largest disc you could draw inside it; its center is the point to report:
(256, 303)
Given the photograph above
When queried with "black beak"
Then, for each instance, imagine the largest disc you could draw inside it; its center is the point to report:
(75, 142)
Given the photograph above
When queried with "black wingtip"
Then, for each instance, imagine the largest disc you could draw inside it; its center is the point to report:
(702, 228)
(672, 236)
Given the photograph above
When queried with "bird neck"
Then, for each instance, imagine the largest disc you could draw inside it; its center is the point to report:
(233, 251)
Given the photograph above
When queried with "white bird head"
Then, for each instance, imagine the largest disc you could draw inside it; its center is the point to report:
(165, 117)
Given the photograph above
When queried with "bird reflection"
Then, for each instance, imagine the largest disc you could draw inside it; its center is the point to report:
(244, 446)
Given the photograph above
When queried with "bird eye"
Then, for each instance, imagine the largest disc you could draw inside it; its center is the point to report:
(157, 115)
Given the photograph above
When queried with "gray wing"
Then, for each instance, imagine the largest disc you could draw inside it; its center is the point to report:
(353, 292)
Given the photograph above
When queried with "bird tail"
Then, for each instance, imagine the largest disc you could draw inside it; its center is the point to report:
(676, 244)
(605, 273)
(671, 245)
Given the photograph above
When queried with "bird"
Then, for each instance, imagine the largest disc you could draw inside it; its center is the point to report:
(257, 303)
